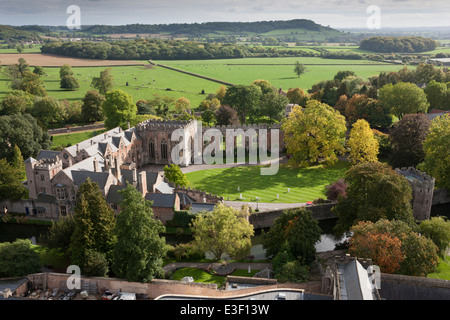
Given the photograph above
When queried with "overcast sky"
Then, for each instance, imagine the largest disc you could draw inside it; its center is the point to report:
(335, 13)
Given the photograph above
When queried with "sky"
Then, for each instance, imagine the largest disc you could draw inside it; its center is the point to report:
(334, 13)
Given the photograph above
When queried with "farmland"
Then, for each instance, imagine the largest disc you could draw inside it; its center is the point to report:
(279, 71)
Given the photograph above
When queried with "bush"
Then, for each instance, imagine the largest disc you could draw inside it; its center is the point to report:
(18, 259)
(336, 189)
(187, 251)
(95, 264)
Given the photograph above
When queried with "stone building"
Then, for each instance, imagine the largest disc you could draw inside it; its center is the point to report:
(422, 188)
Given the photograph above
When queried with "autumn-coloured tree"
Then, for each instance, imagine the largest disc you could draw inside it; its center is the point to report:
(395, 247)
(313, 133)
(362, 143)
(182, 105)
(297, 96)
(383, 248)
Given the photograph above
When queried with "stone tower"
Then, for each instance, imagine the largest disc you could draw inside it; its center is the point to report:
(422, 188)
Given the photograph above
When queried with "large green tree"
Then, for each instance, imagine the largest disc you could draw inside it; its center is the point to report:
(118, 109)
(174, 174)
(404, 98)
(11, 187)
(296, 232)
(375, 191)
(94, 226)
(105, 82)
(363, 147)
(91, 110)
(48, 110)
(223, 231)
(437, 151)
(18, 259)
(407, 137)
(314, 133)
(23, 131)
(139, 250)
(244, 99)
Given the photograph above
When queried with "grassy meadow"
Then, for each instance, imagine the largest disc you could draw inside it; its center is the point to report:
(306, 184)
(279, 71)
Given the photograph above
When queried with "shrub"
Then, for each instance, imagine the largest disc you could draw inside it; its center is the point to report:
(95, 264)
(336, 189)
(18, 259)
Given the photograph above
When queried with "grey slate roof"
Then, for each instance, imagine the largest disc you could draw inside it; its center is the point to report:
(161, 200)
(197, 207)
(46, 198)
(47, 154)
(114, 196)
(164, 187)
(99, 177)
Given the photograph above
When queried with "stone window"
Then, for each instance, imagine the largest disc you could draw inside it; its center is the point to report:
(63, 210)
(151, 148)
(163, 150)
(61, 193)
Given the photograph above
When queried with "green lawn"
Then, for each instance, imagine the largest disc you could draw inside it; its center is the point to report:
(443, 269)
(69, 139)
(205, 277)
(306, 184)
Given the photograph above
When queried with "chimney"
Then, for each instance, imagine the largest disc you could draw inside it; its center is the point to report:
(134, 176)
(128, 124)
(95, 165)
(106, 135)
(116, 165)
(78, 148)
(143, 183)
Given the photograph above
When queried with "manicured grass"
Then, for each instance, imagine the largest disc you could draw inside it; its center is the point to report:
(204, 277)
(443, 269)
(306, 184)
(198, 275)
(64, 140)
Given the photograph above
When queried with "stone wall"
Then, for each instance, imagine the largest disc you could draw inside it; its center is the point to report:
(263, 220)
(441, 196)
(400, 287)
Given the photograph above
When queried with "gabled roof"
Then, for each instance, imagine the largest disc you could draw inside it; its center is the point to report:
(161, 200)
(79, 177)
(47, 154)
(114, 196)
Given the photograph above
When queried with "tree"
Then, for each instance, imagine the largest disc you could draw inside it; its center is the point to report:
(23, 131)
(91, 109)
(375, 191)
(65, 70)
(60, 233)
(407, 138)
(32, 84)
(223, 231)
(265, 86)
(182, 105)
(244, 99)
(315, 133)
(18, 259)
(299, 69)
(48, 110)
(174, 174)
(362, 143)
(94, 225)
(436, 94)
(12, 104)
(273, 106)
(11, 186)
(336, 190)
(418, 254)
(403, 98)
(383, 248)
(39, 71)
(17, 162)
(226, 115)
(105, 82)
(118, 109)
(437, 151)
(297, 96)
(438, 230)
(139, 250)
(295, 230)
(69, 82)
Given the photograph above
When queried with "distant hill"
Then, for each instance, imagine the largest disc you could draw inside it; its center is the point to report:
(8, 33)
(293, 28)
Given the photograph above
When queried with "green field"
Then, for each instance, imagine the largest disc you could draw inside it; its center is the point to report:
(69, 139)
(279, 71)
(143, 82)
(306, 184)
(205, 277)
